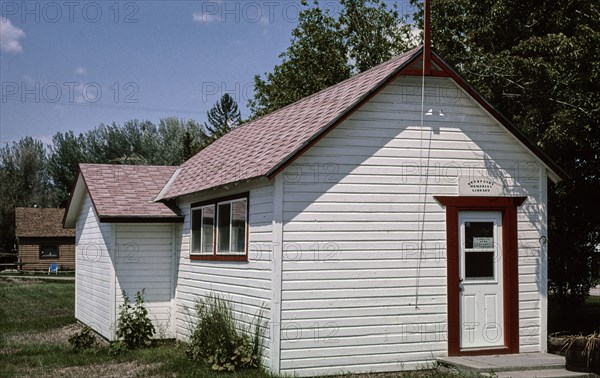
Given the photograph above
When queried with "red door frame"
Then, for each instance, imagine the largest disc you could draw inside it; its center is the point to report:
(508, 207)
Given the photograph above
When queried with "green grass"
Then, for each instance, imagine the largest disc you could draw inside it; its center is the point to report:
(585, 319)
(31, 307)
(34, 315)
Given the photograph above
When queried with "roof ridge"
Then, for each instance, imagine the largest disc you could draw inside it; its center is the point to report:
(129, 165)
(316, 94)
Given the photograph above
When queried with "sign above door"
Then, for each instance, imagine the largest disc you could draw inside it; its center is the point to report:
(480, 186)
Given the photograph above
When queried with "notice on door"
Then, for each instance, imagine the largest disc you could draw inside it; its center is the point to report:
(483, 242)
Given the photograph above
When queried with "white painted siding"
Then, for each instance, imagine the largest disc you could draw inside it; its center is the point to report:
(93, 271)
(358, 292)
(246, 284)
(143, 260)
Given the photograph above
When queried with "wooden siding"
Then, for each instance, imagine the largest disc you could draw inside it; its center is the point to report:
(246, 284)
(364, 269)
(29, 253)
(143, 260)
(94, 273)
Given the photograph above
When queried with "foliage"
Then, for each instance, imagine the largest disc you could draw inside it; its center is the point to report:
(24, 182)
(316, 59)
(116, 348)
(582, 353)
(134, 327)
(84, 339)
(222, 118)
(372, 32)
(171, 142)
(218, 342)
(539, 62)
(325, 50)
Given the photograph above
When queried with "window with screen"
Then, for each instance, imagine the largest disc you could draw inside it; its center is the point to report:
(218, 228)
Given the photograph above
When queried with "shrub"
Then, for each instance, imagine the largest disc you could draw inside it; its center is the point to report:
(217, 342)
(116, 348)
(84, 339)
(134, 327)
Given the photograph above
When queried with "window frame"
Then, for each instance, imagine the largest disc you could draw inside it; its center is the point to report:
(56, 248)
(216, 256)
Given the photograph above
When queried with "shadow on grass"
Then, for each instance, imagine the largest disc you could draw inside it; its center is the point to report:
(585, 319)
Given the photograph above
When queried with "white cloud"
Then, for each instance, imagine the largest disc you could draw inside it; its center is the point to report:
(80, 71)
(45, 139)
(10, 36)
(205, 18)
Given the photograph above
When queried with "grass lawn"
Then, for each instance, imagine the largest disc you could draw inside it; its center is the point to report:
(37, 318)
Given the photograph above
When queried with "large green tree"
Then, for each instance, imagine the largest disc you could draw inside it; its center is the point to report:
(24, 182)
(372, 32)
(539, 63)
(326, 49)
(316, 59)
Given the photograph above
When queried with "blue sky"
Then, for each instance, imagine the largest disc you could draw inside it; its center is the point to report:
(71, 65)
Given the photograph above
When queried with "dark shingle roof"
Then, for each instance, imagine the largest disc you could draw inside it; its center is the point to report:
(40, 222)
(261, 146)
(119, 191)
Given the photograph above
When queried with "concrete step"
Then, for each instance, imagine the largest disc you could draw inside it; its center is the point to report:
(525, 365)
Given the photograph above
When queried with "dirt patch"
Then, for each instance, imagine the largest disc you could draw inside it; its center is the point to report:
(20, 281)
(439, 371)
(53, 336)
(114, 370)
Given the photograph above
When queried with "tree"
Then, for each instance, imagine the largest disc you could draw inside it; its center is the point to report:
(178, 141)
(539, 62)
(25, 182)
(316, 59)
(172, 142)
(222, 118)
(372, 32)
(325, 50)
(66, 152)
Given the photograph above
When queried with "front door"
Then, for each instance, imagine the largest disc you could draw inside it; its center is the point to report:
(481, 298)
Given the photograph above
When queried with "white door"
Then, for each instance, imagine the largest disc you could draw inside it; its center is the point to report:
(480, 268)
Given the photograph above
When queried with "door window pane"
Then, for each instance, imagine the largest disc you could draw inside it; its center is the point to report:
(479, 265)
(479, 235)
(479, 250)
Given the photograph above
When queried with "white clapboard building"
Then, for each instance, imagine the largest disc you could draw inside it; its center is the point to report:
(388, 220)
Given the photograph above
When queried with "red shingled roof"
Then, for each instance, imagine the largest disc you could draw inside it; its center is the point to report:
(40, 223)
(127, 191)
(260, 147)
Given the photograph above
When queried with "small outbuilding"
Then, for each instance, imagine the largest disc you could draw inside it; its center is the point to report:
(383, 222)
(42, 240)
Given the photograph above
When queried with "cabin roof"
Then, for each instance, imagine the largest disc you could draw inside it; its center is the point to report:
(40, 223)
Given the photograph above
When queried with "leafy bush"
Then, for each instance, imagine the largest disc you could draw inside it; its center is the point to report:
(84, 339)
(116, 348)
(134, 327)
(217, 342)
